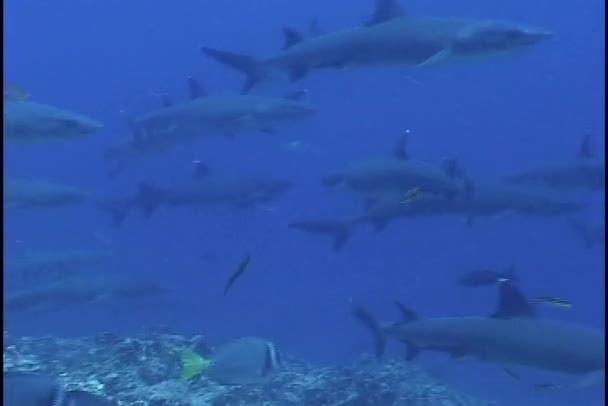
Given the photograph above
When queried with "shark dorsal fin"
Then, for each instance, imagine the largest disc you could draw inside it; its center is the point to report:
(400, 149)
(136, 131)
(407, 314)
(200, 170)
(291, 37)
(313, 28)
(195, 89)
(385, 10)
(512, 303)
(451, 167)
(165, 100)
(586, 149)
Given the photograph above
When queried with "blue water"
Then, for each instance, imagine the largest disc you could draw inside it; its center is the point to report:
(496, 117)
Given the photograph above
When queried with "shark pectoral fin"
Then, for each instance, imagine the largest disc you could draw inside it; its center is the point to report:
(437, 57)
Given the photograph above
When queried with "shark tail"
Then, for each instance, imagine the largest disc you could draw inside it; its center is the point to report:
(148, 198)
(252, 69)
(369, 321)
(339, 231)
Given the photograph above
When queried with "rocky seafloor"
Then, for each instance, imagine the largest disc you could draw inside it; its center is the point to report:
(146, 369)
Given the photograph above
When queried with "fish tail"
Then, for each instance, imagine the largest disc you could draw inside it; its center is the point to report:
(249, 66)
(339, 231)
(365, 317)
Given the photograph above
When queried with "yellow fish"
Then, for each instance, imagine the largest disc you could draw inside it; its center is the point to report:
(192, 364)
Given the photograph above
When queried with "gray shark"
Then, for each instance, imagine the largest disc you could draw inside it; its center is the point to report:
(398, 174)
(51, 265)
(80, 290)
(35, 193)
(36, 389)
(208, 189)
(585, 172)
(226, 114)
(390, 37)
(28, 121)
(512, 335)
(481, 201)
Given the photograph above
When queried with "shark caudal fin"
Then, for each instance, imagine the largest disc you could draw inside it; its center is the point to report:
(252, 69)
(372, 324)
(339, 231)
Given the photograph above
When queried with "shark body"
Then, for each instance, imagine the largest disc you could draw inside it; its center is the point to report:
(31, 193)
(586, 171)
(513, 335)
(398, 174)
(390, 37)
(28, 121)
(206, 188)
(481, 201)
(228, 114)
(80, 290)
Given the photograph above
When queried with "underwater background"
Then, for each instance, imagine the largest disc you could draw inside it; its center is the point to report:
(103, 57)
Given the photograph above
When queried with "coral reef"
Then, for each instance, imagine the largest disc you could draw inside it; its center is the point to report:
(145, 371)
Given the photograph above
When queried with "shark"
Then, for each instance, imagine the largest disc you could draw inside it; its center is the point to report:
(24, 193)
(54, 265)
(398, 173)
(205, 188)
(29, 121)
(38, 389)
(80, 290)
(227, 114)
(514, 334)
(390, 37)
(587, 171)
(483, 200)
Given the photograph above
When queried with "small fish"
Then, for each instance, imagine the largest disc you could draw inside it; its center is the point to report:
(547, 386)
(239, 271)
(487, 277)
(411, 195)
(554, 301)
